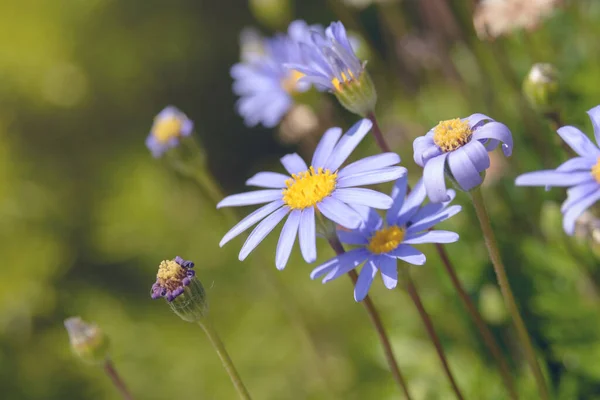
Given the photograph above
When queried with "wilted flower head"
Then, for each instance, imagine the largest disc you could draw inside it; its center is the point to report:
(580, 174)
(460, 148)
(169, 126)
(382, 243)
(323, 188)
(263, 81)
(331, 64)
(87, 340)
(541, 87)
(494, 18)
(176, 282)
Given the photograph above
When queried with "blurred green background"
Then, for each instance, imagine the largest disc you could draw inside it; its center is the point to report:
(87, 214)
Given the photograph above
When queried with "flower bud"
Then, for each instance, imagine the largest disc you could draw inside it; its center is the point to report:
(541, 87)
(87, 340)
(357, 95)
(273, 13)
(176, 281)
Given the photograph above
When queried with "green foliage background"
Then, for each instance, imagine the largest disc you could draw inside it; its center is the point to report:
(87, 214)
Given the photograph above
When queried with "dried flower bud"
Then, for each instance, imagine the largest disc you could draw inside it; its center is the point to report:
(87, 340)
(541, 87)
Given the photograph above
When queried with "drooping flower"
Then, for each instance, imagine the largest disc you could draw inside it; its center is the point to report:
(580, 174)
(323, 188)
(381, 243)
(263, 81)
(460, 148)
(87, 340)
(331, 64)
(169, 126)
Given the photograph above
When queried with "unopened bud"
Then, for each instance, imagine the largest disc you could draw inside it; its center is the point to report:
(357, 95)
(541, 87)
(273, 13)
(87, 340)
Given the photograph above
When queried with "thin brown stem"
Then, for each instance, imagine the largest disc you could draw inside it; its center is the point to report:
(414, 295)
(377, 134)
(114, 376)
(485, 332)
(378, 325)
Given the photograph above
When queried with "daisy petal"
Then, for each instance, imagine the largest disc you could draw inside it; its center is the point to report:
(268, 180)
(250, 198)
(577, 164)
(339, 213)
(388, 266)
(398, 194)
(428, 210)
(364, 197)
(495, 131)
(434, 179)
(433, 219)
(412, 204)
(308, 236)
(366, 164)
(431, 237)
(372, 177)
(463, 170)
(286, 239)
(553, 178)
(250, 220)
(293, 163)
(409, 254)
(478, 155)
(573, 212)
(352, 237)
(261, 231)
(578, 141)
(577, 193)
(326, 146)
(476, 119)
(348, 143)
(365, 279)
(594, 114)
(347, 262)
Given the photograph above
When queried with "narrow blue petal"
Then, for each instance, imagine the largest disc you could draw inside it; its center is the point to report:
(372, 177)
(577, 193)
(308, 236)
(495, 131)
(348, 143)
(261, 231)
(365, 279)
(573, 212)
(371, 163)
(250, 198)
(477, 119)
(286, 239)
(363, 197)
(370, 217)
(553, 178)
(268, 180)
(577, 164)
(478, 155)
(339, 213)
(464, 172)
(425, 149)
(293, 163)
(434, 179)
(398, 194)
(352, 237)
(431, 237)
(594, 114)
(578, 141)
(326, 146)
(433, 219)
(325, 268)
(430, 209)
(347, 262)
(250, 220)
(388, 266)
(412, 204)
(409, 254)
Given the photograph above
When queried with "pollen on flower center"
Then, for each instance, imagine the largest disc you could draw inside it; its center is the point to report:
(167, 128)
(386, 240)
(596, 171)
(451, 134)
(308, 188)
(290, 82)
(170, 274)
(347, 77)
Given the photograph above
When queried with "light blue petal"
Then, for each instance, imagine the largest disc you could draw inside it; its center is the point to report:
(577, 164)
(352, 237)
(412, 204)
(364, 197)
(463, 170)
(371, 163)
(434, 179)
(250, 198)
(347, 262)
(478, 155)
(250, 220)
(398, 194)
(293, 163)
(261, 231)
(370, 217)
(477, 119)
(409, 254)
(578, 141)
(573, 212)
(372, 177)
(433, 219)
(326, 146)
(286, 239)
(553, 178)
(430, 209)
(308, 236)
(424, 149)
(365, 279)
(594, 114)
(431, 237)
(339, 213)
(268, 180)
(495, 131)
(577, 193)
(388, 266)
(348, 143)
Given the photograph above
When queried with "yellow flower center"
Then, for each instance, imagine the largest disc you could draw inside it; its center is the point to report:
(451, 134)
(346, 78)
(170, 274)
(596, 171)
(290, 83)
(167, 128)
(386, 240)
(308, 188)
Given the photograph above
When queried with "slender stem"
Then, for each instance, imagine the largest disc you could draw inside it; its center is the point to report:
(377, 324)
(485, 332)
(414, 295)
(377, 134)
(492, 246)
(219, 347)
(114, 376)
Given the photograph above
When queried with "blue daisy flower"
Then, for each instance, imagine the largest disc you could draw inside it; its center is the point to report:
(459, 147)
(580, 174)
(169, 126)
(323, 188)
(265, 84)
(382, 243)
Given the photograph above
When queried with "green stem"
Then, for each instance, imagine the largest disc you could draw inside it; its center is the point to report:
(414, 295)
(336, 245)
(219, 347)
(114, 376)
(492, 246)
(485, 332)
